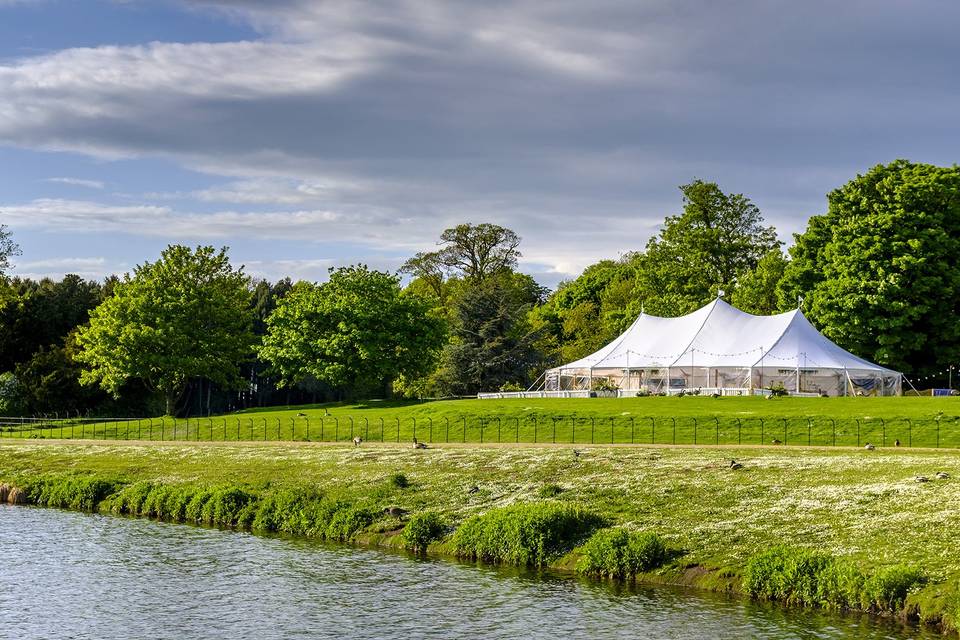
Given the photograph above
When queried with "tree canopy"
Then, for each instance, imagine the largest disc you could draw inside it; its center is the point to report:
(879, 271)
(470, 251)
(357, 332)
(8, 249)
(187, 315)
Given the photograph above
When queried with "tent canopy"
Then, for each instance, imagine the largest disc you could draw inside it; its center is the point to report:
(719, 346)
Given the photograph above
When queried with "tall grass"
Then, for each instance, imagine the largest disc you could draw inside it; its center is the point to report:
(619, 553)
(807, 578)
(524, 534)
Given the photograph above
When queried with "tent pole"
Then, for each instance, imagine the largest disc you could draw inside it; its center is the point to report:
(668, 380)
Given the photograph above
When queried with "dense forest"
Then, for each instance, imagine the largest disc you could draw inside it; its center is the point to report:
(189, 334)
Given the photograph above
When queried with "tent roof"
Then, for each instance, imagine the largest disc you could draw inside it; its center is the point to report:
(719, 335)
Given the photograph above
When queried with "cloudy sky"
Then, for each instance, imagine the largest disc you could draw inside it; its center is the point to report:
(305, 134)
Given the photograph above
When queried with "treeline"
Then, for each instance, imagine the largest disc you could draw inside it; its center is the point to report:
(191, 334)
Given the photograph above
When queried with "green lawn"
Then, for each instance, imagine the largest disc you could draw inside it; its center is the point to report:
(917, 422)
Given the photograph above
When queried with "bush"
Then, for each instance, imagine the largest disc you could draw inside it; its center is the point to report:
(550, 490)
(802, 577)
(399, 481)
(604, 384)
(512, 386)
(421, 530)
(347, 521)
(69, 492)
(524, 534)
(618, 553)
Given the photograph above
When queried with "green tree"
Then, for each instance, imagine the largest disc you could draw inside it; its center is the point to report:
(8, 249)
(718, 239)
(880, 271)
(184, 317)
(493, 342)
(474, 252)
(756, 291)
(357, 332)
(36, 314)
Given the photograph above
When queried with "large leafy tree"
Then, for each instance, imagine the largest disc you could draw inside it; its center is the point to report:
(185, 316)
(473, 252)
(880, 271)
(717, 240)
(357, 332)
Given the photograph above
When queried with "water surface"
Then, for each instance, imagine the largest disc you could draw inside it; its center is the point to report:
(74, 575)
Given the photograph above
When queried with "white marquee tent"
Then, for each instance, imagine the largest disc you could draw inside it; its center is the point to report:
(721, 349)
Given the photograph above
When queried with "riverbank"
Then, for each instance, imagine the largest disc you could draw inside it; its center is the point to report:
(864, 507)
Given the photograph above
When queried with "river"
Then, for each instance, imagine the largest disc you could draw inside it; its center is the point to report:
(74, 575)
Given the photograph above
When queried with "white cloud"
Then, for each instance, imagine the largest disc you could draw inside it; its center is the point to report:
(95, 268)
(79, 182)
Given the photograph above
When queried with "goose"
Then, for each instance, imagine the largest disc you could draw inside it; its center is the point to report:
(395, 512)
(735, 465)
(775, 441)
(576, 453)
(301, 415)
(896, 442)
(357, 441)
(419, 445)
(922, 479)
(942, 475)
(473, 489)
(869, 447)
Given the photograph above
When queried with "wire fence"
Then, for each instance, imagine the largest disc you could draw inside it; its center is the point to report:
(711, 430)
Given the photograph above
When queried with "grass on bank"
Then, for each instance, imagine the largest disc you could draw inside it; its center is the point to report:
(858, 528)
(911, 421)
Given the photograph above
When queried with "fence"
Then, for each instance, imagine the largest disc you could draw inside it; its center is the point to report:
(706, 430)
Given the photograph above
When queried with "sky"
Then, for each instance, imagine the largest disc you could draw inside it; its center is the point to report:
(305, 135)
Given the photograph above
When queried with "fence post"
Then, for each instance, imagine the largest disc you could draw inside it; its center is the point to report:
(573, 436)
(264, 429)
(150, 427)
(398, 429)
(481, 429)
(938, 432)
(336, 429)
(366, 428)
(784, 431)
(694, 431)
(909, 433)
(858, 431)
(739, 432)
(883, 431)
(499, 424)
(593, 428)
(307, 419)
(464, 420)
(833, 431)
(414, 427)
(809, 429)
(163, 427)
(447, 419)
(717, 421)
(517, 420)
(534, 429)
(674, 421)
(350, 418)
(611, 429)
(383, 430)
(761, 430)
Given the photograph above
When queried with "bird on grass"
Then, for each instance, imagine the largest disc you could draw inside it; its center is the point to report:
(419, 445)
(301, 415)
(576, 453)
(775, 441)
(869, 447)
(942, 475)
(473, 489)
(734, 465)
(922, 479)
(896, 442)
(395, 512)
(357, 441)
(326, 412)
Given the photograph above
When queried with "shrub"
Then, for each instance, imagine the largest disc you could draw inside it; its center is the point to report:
(399, 481)
(807, 578)
(224, 506)
(512, 386)
(618, 553)
(70, 492)
(887, 588)
(421, 530)
(604, 384)
(550, 490)
(524, 534)
(347, 521)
